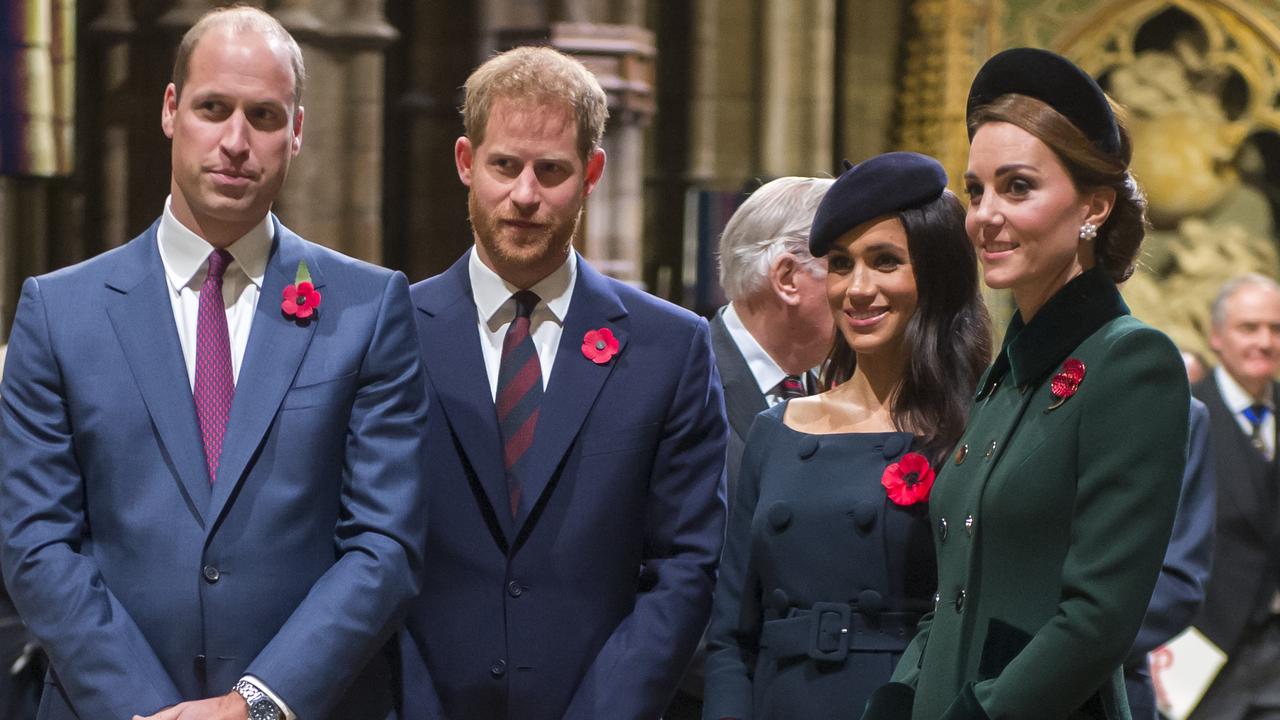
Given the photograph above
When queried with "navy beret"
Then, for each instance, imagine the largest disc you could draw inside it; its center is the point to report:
(883, 185)
(1053, 80)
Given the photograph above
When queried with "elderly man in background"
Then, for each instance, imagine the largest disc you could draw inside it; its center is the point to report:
(774, 330)
(1241, 612)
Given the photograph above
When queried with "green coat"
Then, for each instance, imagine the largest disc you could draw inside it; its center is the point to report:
(1050, 523)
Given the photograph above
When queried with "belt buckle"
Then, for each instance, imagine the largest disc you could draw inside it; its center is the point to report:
(829, 619)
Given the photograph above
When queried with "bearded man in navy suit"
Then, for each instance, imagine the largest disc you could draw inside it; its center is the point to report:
(577, 506)
(210, 499)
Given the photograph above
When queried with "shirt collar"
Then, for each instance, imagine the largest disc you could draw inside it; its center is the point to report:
(1032, 350)
(185, 254)
(492, 294)
(766, 372)
(1235, 396)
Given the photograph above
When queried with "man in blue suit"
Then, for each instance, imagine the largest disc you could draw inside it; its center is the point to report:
(577, 437)
(211, 501)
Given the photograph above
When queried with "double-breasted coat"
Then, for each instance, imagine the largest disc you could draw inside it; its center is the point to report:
(1050, 520)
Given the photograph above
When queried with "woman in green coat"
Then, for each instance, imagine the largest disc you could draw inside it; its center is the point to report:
(1052, 514)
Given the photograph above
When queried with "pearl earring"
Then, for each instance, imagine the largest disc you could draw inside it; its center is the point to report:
(1088, 231)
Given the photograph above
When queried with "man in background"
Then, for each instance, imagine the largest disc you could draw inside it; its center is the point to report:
(1241, 613)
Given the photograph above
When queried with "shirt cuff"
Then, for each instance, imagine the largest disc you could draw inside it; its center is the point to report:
(288, 714)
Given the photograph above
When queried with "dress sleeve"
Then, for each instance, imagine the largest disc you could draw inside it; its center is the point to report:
(736, 615)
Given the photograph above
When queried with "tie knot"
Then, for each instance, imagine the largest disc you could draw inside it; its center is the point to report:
(218, 262)
(792, 386)
(526, 301)
(1256, 413)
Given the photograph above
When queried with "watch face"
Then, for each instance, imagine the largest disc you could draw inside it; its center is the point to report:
(264, 709)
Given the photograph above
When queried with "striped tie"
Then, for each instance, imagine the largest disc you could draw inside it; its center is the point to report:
(519, 393)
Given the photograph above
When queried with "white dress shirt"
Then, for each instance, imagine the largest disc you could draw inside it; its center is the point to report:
(495, 309)
(763, 368)
(1237, 400)
(185, 257)
(186, 260)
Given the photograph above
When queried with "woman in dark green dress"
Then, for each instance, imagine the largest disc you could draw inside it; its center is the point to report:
(1067, 476)
(828, 563)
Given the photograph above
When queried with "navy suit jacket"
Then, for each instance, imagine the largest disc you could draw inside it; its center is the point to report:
(1180, 588)
(149, 585)
(589, 603)
(1246, 554)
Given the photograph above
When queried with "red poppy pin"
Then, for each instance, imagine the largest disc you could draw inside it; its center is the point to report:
(301, 299)
(599, 346)
(1066, 382)
(908, 481)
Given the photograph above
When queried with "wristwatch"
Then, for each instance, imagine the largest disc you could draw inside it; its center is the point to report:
(260, 706)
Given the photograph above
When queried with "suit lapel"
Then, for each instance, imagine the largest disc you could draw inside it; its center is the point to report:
(277, 344)
(142, 316)
(1247, 490)
(742, 397)
(575, 380)
(450, 340)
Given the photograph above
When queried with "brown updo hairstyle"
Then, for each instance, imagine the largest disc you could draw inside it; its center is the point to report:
(1119, 240)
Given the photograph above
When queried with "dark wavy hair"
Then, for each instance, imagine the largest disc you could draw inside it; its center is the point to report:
(1119, 240)
(947, 340)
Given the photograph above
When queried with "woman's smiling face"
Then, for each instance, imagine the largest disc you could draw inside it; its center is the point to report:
(871, 286)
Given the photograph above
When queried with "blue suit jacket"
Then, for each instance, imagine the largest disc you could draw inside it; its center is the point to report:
(1180, 588)
(149, 585)
(589, 604)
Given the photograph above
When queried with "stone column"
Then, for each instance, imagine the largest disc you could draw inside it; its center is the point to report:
(798, 87)
(114, 30)
(621, 57)
(725, 120)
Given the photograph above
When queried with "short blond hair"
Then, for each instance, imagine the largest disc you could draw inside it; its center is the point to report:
(240, 19)
(540, 76)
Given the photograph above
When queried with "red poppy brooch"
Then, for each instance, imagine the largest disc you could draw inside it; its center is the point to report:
(301, 298)
(1066, 382)
(599, 346)
(908, 481)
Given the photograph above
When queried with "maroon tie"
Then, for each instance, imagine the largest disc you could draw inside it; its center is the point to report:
(215, 385)
(519, 393)
(791, 387)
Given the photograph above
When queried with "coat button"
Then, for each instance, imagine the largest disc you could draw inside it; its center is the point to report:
(942, 529)
(991, 451)
(779, 516)
(968, 525)
(961, 453)
(211, 573)
(960, 600)
(514, 589)
(779, 601)
(864, 515)
(807, 446)
(498, 668)
(894, 446)
(937, 600)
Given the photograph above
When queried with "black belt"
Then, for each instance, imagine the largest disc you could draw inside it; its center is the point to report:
(829, 631)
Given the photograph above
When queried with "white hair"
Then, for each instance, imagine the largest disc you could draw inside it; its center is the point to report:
(1218, 311)
(775, 219)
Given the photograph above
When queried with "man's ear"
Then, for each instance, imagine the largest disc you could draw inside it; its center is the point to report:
(169, 110)
(782, 277)
(595, 170)
(297, 130)
(463, 154)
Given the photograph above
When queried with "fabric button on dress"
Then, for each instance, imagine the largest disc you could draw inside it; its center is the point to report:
(864, 515)
(779, 600)
(870, 601)
(779, 516)
(807, 446)
(894, 446)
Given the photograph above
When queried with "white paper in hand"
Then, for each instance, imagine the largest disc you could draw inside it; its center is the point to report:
(1182, 670)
